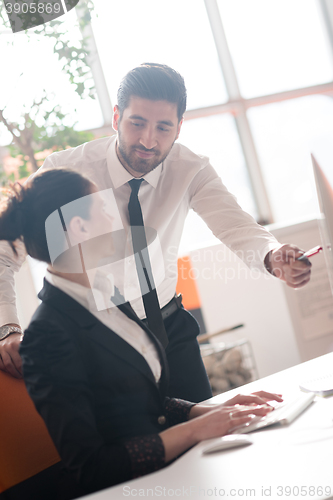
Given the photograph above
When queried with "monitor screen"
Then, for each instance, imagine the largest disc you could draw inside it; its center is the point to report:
(325, 198)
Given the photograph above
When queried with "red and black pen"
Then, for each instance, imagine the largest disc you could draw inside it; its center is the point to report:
(310, 253)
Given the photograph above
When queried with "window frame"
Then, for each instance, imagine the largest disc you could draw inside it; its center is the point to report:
(236, 105)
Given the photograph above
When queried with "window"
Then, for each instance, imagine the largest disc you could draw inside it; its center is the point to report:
(28, 68)
(174, 33)
(247, 66)
(286, 134)
(259, 77)
(276, 45)
(216, 137)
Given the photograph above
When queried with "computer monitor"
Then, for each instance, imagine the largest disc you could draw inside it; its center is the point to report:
(325, 198)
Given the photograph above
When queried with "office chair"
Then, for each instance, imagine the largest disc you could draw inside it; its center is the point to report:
(27, 453)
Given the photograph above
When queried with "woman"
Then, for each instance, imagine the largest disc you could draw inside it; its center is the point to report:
(97, 375)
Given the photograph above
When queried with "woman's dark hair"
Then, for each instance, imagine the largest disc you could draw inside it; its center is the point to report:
(156, 82)
(24, 212)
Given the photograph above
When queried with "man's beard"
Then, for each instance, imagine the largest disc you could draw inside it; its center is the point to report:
(140, 165)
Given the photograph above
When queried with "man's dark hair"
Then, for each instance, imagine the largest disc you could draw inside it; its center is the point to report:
(157, 82)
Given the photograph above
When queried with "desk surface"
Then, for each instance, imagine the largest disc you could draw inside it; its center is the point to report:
(281, 461)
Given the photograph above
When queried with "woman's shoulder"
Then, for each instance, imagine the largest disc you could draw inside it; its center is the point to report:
(45, 314)
(45, 324)
(48, 333)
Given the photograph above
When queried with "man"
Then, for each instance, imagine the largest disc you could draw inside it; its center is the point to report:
(148, 120)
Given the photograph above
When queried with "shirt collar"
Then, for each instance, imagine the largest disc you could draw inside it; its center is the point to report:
(119, 174)
(97, 298)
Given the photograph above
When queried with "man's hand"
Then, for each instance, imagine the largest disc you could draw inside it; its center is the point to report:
(10, 360)
(282, 263)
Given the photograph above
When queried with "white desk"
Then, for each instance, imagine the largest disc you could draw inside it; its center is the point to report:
(294, 456)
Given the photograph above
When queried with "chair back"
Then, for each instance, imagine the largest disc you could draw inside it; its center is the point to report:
(25, 445)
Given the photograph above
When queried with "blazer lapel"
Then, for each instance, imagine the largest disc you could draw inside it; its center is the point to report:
(100, 333)
(127, 309)
(112, 342)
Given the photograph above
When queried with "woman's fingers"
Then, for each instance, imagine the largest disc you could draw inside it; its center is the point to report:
(237, 422)
(238, 418)
(257, 398)
(260, 410)
(225, 419)
(269, 396)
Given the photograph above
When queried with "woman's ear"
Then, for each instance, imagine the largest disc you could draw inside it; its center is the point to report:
(78, 230)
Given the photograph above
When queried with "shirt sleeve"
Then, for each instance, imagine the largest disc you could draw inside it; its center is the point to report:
(58, 384)
(147, 452)
(9, 263)
(228, 222)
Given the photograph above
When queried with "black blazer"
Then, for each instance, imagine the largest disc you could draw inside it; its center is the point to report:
(96, 393)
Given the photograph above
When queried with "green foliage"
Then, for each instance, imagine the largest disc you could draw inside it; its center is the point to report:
(56, 139)
(41, 128)
(65, 137)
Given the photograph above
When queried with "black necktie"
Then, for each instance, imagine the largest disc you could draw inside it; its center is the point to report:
(143, 266)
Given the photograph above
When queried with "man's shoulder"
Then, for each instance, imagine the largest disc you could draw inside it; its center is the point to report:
(181, 153)
(88, 152)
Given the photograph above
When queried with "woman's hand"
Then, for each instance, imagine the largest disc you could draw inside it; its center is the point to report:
(224, 419)
(208, 422)
(256, 398)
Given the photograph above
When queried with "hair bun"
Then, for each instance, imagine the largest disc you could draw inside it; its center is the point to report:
(12, 213)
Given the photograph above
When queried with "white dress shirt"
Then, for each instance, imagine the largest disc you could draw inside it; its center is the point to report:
(113, 318)
(183, 181)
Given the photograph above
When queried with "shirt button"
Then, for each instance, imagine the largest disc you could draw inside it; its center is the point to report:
(161, 420)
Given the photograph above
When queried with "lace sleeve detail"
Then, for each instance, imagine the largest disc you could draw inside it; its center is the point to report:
(146, 454)
(177, 410)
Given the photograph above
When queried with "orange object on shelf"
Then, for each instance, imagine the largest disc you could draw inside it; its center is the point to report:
(186, 284)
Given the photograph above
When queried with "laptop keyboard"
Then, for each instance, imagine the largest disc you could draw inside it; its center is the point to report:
(284, 413)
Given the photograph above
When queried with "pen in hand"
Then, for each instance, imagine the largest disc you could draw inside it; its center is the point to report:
(310, 253)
